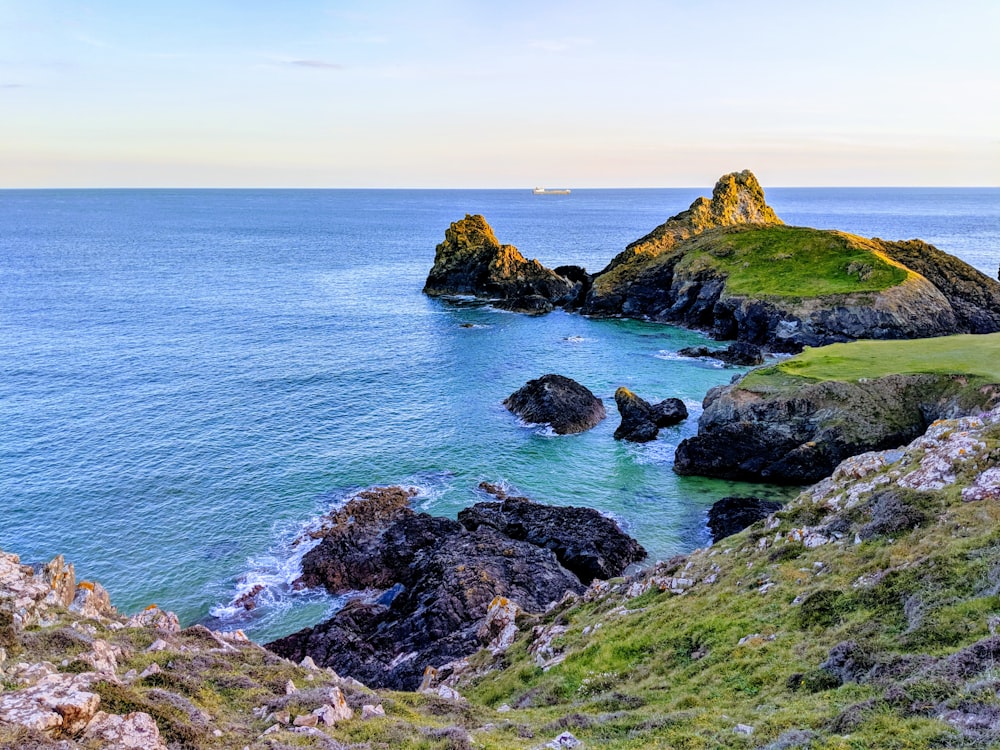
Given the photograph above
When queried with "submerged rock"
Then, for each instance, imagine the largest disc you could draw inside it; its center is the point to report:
(448, 574)
(738, 353)
(558, 401)
(641, 421)
(733, 514)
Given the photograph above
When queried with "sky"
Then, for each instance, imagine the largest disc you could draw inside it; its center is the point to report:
(512, 94)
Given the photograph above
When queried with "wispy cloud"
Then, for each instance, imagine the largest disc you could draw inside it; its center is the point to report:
(11, 85)
(319, 64)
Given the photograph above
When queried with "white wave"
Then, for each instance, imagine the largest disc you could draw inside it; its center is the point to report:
(574, 339)
(266, 589)
(542, 429)
(670, 356)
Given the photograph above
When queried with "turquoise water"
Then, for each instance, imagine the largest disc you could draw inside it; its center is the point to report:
(190, 377)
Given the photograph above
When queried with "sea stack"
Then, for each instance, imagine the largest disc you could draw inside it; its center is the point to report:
(472, 261)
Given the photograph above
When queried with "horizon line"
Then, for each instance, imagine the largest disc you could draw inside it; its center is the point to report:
(512, 189)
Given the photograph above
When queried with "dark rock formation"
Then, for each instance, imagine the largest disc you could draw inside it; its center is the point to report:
(343, 560)
(585, 542)
(558, 401)
(472, 261)
(641, 421)
(974, 297)
(669, 412)
(441, 577)
(738, 353)
(799, 434)
(692, 270)
(731, 515)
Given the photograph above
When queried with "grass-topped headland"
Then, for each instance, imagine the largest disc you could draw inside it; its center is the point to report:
(792, 262)
(793, 422)
(976, 356)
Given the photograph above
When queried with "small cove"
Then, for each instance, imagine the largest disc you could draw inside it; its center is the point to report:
(191, 376)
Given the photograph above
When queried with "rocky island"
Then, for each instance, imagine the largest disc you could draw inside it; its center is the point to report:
(729, 265)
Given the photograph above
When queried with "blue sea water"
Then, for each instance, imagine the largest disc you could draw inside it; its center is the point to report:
(190, 377)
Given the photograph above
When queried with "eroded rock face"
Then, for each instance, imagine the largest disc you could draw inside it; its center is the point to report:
(798, 436)
(558, 401)
(733, 514)
(445, 575)
(472, 261)
(641, 421)
(674, 275)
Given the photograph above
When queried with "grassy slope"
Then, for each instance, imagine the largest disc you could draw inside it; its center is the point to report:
(669, 671)
(793, 262)
(975, 355)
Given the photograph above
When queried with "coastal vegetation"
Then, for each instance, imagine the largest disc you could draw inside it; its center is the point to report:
(975, 356)
(792, 262)
(794, 421)
(862, 614)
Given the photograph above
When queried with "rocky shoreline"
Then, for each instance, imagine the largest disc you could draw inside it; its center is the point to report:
(432, 580)
(866, 606)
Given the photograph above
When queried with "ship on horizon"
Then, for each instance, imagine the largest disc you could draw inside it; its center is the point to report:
(550, 191)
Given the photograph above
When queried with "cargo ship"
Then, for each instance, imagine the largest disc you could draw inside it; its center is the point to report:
(547, 191)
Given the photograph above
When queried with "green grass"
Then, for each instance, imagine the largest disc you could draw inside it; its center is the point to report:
(671, 671)
(795, 262)
(977, 356)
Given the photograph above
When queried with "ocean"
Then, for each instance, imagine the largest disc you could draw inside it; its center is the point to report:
(191, 377)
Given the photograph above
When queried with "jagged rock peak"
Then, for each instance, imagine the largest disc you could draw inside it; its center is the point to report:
(737, 198)
(472, 261)
(471, 233)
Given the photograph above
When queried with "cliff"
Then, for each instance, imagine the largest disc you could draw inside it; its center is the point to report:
(795, 421)
(730, 266)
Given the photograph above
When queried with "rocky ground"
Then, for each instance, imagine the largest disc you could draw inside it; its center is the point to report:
(434, 580)
(862, 614)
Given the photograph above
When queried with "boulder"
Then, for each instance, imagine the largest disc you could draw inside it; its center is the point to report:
(584, 541)
(134, 731)
(669, 412)
(641, 421)
(731, 515)
(445, 576)
(472, 261)
(558, 401)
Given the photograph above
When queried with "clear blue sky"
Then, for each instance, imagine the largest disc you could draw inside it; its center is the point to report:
(497, 94)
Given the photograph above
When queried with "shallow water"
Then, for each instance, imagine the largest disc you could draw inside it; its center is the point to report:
(191, 377)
